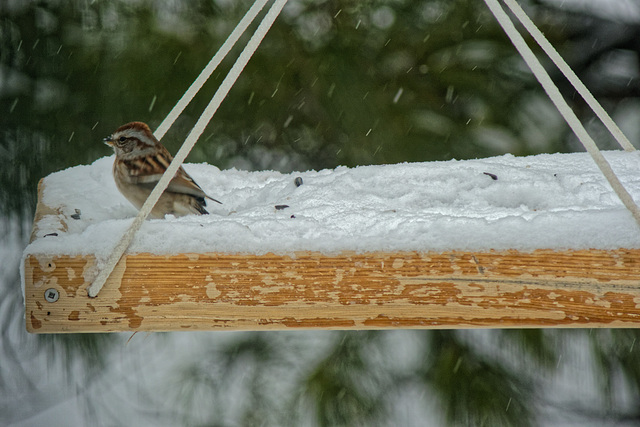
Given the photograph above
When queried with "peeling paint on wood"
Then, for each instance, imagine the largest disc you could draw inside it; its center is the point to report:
(377, 290)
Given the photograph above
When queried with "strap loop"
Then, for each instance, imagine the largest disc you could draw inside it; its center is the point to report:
(188, 144)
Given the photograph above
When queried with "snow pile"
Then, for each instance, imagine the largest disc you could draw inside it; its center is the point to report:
(556, 201)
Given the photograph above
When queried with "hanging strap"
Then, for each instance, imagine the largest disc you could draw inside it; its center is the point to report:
(569, 74)
(186, 147)
(224, 50)
(565, 110)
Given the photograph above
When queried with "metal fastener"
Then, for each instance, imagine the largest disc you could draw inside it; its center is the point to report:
(51, 295)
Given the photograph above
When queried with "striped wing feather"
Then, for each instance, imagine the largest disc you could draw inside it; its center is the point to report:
(147, 170)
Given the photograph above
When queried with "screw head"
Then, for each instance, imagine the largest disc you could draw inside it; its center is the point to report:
(51, 295)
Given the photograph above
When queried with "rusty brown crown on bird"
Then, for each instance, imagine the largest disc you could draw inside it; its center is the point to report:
(140, 162)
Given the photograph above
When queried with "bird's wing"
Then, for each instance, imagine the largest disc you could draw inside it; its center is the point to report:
(150, 169)
(183, 183)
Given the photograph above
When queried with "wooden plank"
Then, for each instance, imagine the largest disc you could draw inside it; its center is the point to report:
(543, 288)
(40, 227)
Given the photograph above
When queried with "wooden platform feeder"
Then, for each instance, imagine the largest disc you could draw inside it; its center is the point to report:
(307, 290)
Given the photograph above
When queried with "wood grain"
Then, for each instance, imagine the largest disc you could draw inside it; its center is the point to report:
(378, 290)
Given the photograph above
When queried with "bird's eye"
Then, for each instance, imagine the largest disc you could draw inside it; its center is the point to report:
(122, 139)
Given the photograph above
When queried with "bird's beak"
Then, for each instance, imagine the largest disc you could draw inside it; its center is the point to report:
(108, 140)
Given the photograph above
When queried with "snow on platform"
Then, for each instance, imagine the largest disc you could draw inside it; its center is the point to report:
(553, 201)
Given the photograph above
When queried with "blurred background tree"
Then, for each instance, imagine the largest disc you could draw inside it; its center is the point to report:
(336, 82)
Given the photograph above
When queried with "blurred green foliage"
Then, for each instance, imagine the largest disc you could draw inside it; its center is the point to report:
(336, 82)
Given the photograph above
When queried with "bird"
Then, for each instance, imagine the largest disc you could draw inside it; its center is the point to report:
(140, 162)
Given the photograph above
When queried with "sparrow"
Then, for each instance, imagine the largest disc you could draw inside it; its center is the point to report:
(140, 162)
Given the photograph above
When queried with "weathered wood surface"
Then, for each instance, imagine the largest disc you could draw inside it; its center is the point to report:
(507, 289)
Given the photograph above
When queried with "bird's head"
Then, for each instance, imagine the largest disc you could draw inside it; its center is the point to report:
(132, 140)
